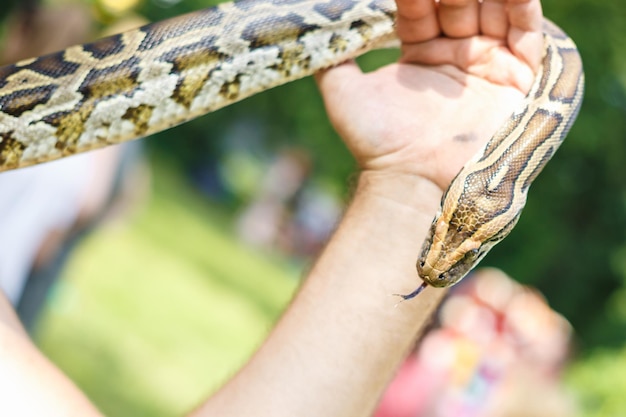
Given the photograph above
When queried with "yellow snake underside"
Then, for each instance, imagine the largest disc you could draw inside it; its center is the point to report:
(143, 81)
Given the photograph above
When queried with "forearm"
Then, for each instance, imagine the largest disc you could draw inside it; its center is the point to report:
(29, 384)
(340, 341)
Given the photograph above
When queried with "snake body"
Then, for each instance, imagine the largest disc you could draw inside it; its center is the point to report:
(149, 79)
(486, 198)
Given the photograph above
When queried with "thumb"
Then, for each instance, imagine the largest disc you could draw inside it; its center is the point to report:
(338, 81)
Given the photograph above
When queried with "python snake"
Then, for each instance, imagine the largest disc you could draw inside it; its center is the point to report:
(152, 78)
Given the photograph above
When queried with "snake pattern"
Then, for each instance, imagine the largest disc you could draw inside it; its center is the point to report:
(149, 79)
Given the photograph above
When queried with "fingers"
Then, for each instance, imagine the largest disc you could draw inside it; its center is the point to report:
(525, 37)
(519, 23)
(417, 20)
(494, 20)
(422, 20)
(516, 22)
(525, 15)
(459, 18)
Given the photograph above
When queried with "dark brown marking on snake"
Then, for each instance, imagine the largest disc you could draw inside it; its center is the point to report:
(362, 27)
(7, 71)
(504, 232)
(53, 65)
(545, 77)
(501, 135)
(106, 47)
(553, 30)
(541, 125)
(200, 53)
(140, 116)
(22, 101)
(564, 90)
(70, 126)
(14, 78)
(159, 32)
(472, 257)
(334, 9)
(98, 85)
(538, 168)
(292, 57)
(117, 80)
(230, 90)
(248, 5)
(188, 88)
(10, 150)
(282, 30)
(580, 89)
(479, 184)
(203, 53)
(338, 43)
(358, 24)
(382, 6)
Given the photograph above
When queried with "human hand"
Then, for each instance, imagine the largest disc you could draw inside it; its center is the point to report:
(464, 67)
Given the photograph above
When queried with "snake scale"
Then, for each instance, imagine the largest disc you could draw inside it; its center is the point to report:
(149, 79)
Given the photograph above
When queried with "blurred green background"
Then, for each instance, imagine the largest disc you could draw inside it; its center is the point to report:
(156, 310)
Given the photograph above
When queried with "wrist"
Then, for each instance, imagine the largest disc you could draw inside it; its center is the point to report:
(413, 193)
(399, 209)
(388, 219)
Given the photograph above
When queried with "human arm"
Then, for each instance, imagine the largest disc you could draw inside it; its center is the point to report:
(30, 385)
(411, 128)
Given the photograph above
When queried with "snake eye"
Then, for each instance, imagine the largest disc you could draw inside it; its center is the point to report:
(422, 263)
(442, 276)
(460, 228)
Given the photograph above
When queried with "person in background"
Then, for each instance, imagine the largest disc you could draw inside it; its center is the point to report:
(288, 212)
(45, 209)
(495, 344)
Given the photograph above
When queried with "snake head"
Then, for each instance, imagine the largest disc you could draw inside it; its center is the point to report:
(448, 255)
(456, 244)
(449, 266)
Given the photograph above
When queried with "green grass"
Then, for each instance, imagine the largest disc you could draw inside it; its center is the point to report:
(599, 382)
(155, 313)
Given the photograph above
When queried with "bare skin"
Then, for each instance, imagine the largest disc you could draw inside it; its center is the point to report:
(411, 127)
